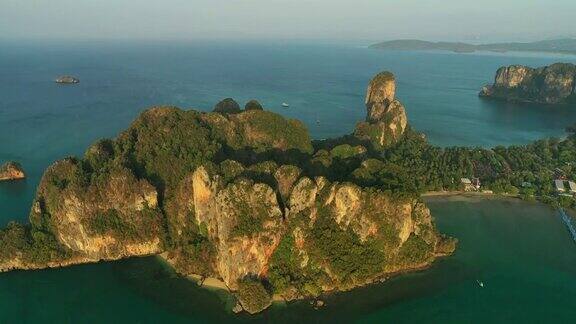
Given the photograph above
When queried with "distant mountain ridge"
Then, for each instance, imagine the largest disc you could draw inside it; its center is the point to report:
(565, 46)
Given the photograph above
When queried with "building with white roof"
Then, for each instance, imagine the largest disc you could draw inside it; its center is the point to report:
(559, 184)
(572, 186)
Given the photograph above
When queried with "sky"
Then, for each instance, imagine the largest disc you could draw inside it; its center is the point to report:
(374, 20)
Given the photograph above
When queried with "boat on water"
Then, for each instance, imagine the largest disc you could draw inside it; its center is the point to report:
(285, 105)
(480, 283)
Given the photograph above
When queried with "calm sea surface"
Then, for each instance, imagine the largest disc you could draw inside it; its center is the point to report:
(521, 251)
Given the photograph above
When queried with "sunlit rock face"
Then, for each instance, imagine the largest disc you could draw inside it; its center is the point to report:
(243, 219)
(11, 171)
(552, 84)
(382, 89)
(110, 218)
(386, 118)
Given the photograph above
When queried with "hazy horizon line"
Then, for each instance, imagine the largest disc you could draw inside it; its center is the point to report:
(358, 41)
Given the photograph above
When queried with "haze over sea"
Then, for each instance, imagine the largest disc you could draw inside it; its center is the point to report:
(520, 250)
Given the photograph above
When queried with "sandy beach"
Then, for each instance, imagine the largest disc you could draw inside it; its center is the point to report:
(214, 283)
(456, 193)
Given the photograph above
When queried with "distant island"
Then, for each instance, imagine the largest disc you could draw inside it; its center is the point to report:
(563, 46)
(11, 171)
(552, 84)
(67, 79)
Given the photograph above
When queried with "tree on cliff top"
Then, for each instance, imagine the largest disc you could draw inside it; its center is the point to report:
(253, 296)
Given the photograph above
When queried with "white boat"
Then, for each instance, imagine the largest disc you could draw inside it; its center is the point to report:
(480, 283)
(285, 105)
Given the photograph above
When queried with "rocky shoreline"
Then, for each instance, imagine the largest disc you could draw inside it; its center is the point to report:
(213, 283)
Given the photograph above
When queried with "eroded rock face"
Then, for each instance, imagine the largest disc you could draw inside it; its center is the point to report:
(243, 218)
(247, 221)
(363, 211)
(107, 220)
(382, 89)
(286, 176)
(386, 118)
(552, 84)
(368, 220)
(11, 171)
(512, 76)
(303, 195)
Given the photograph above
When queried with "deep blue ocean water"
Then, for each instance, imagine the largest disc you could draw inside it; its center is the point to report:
(41, 122)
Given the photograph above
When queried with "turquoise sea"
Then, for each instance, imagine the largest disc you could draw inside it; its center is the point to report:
(521, 251)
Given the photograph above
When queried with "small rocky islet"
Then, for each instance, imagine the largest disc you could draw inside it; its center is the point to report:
(67, 79)
(11, 171)
(554, 84)
(241, 195)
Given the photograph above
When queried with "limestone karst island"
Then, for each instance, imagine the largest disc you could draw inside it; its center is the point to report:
(552, 84)
(240, 195)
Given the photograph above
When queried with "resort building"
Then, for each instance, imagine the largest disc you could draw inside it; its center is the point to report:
(572, 186)
(467, 184)
(559, 184)
(470, 185)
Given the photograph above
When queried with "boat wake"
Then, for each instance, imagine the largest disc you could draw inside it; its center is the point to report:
(566, 219)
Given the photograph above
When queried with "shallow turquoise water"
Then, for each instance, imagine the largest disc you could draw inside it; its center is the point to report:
(521, 251)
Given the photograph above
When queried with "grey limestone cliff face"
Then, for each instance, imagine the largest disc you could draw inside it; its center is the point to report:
(386, 118)
(297, 208)
(79, 216)
(552, 84)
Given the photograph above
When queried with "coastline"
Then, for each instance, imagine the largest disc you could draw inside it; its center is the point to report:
(211, 283)
(464, 193)
(474, 196)
(467, 194)
(218, 286)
